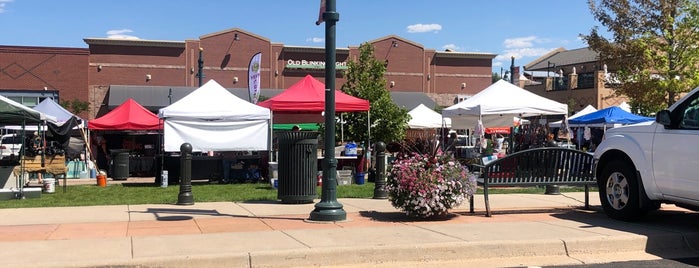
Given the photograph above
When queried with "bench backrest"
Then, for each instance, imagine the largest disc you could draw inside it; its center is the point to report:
(541, 166)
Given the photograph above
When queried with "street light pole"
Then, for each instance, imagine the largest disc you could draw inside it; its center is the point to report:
(329, 209)
(200, 75)
(512, 71)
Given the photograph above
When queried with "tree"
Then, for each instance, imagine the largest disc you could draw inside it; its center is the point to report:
(496, 77)
(653, 52)
(75, 106)
(365, 79)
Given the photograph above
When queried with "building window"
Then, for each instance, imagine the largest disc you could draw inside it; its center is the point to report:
(30, 99)
(586, 80)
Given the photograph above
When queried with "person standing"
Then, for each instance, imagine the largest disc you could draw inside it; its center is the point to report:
(101, 153)
(38, 150)
(550, 142)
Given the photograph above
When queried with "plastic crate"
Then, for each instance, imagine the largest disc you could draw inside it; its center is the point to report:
(344, 177)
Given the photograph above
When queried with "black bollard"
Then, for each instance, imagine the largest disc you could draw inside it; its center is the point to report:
(380, 179)
(185, 197)
(552, 190)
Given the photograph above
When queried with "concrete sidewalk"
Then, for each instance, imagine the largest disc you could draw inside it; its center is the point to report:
(526, 229)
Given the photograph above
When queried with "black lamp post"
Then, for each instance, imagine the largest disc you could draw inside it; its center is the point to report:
(512, 71)
(200, 74)
(329, 209)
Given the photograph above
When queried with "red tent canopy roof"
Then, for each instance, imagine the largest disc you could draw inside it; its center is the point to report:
(308, 95)
(128, 116)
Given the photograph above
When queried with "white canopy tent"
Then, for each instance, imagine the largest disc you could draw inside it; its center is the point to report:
(497, 104)
(213, 119)
(588, 109)
(423, 117)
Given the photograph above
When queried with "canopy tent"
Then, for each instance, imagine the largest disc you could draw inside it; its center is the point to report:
(50, 107)
(609, 116)
(307, 98)
(66, 122)
(212, 119)
(128, 116)
(14, 113)
(498, 103)
(423, 117)
(588, 109)
(308, 95)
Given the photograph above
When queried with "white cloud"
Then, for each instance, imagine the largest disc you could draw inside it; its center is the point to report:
(521, 48)
(315, 40)
(521, 42)
(451, 47)
(423, 28)
(522, 53)
(3, 3)
(121, 34)
(505, 58)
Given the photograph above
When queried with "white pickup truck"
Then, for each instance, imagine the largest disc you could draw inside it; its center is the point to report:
(640, 166)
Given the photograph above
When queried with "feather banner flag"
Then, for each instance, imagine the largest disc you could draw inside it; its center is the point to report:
(254, 77)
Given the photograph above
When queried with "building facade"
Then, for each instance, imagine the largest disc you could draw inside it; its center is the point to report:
(88, 74)
(575, 77)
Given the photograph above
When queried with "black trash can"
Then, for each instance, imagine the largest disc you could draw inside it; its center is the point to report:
(298, 167)
(120, 164)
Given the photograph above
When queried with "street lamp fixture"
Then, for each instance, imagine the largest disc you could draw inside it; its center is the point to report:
(549, 65)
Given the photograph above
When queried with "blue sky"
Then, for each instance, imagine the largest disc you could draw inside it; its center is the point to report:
(524, 29)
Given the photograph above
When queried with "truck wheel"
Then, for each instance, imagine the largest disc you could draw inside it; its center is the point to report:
(619, 192)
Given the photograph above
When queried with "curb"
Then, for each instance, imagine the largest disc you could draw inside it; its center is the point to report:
(498, 253)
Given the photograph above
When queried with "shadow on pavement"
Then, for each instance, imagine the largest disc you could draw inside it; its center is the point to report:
(402, 217)
(670, 232)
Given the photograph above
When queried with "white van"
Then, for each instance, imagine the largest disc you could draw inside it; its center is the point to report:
(10, 144)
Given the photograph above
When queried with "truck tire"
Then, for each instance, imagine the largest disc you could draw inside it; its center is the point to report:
(619, 192)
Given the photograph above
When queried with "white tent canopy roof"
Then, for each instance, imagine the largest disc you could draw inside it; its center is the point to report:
(588, 109)
(213, 102)
(212, 119)
(424, 117)
(496, 104)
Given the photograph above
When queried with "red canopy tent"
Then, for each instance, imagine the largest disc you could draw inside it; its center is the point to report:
(128, 116)
(304, 101)
(308, 96)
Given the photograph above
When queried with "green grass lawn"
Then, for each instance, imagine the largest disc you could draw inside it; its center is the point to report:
(148, 193)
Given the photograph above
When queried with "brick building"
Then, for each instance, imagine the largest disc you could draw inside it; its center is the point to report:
(575, 77)
(149, 70)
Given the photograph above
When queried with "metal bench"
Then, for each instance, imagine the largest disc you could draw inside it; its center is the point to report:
(536, 167)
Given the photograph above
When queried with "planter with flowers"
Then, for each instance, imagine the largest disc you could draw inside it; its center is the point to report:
(428, 185)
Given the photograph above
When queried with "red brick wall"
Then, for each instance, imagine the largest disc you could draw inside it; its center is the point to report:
(87, 73)
(129, 65)
(33, 68)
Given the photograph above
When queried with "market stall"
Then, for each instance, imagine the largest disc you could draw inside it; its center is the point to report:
(212, 119)
(498, 104)
(425, 122)
(13, 113)
(307, 97)
(128, 129)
